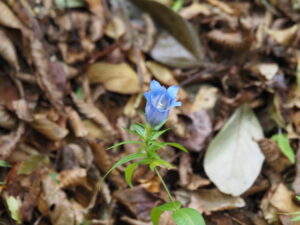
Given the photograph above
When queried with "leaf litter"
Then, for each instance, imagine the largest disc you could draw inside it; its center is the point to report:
(72, 77)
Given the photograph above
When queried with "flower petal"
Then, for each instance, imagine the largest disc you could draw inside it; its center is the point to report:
(155, 86)
(172, 91)
(175, 104)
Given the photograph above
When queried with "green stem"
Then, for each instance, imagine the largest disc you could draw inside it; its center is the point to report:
(165, 186)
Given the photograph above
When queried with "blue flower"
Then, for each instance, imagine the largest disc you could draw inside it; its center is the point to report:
(159, 102)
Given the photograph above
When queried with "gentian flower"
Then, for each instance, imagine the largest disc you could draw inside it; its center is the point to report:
(159, 102)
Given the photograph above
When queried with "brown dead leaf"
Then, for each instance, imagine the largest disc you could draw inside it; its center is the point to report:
(266, 70)
(223, 6)
(282, 200)
(161, 73)
(8, 18)
(8, 91)
(296, 183)
(49, 129)
(7, 120)
(120, 78)
(76, 123)
(60, 210)
(92, 112)
(115, 28)
(73, 178)
(138, 201)
(23, 112)
(212, 200)
(194, 10)
(206, 98)
(285, 36)
(8, 142)
(7, 50)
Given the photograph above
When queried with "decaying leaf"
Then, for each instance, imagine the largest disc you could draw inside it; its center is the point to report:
(212, 200)
(7, 49)
(7, 120)
(76, 123)
(179, 28)
(49, 129)
(233, 159)
(120, 78)
(285, 36)
(8, 18)
(161, 73)
(72, 178)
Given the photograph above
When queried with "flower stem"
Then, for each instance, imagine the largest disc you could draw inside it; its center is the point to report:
(165, 186)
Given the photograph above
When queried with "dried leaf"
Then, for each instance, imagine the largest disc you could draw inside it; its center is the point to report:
(7, 120)
(120, 78)
(116, 27)
(267, 70)
(8, 18)
(233, 159)
(49, 129)
(92, 112)
(161, 73)
(178, 27)
(194, 10)
(7, 49)
(76, 123)
(73, 178)
(285, 36)
(213, 200)
(8, 142)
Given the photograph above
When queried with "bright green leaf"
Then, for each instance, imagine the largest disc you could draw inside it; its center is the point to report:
(297, 218)
(177, 5)
(159, 133)
(129, 170)
(157, 211)
(133, 132)
(121, 162)
(175, 145)
(298, 197)
(188, 216)
(125, 142)
(162, 163)
(140, 130)
(284, 145)
(3, 163)
(14, 208)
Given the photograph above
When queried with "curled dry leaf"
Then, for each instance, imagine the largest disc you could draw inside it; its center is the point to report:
(213, 200)
(8, 142)
(282, 200)
(7, 120)
(266, 70)
(234, 41)
(92, 112)
(60, 210)
(120, 78)
(8, 18)
(49, 129)
(223, 6)
(7, 50)
(285, 36)
(161, 73)
(44, 74)
(116, 27)
(76, 123)
(104, 163)
(23, 112)
(73, 178)
(274, 157)
(194, 10)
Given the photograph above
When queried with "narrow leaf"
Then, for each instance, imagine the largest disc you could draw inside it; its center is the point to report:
(158, 134)
(175, 145)
(284, 145)
(139, 130)
(129, 172)
(133, 132)
(162, 163)
(125, 142)
(3, 163)
(297, 218)
(122, 161)
(188, 216)
(157, 211)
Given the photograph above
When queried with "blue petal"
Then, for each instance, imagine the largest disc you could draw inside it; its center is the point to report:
(175, 104)
(172, 91)
(155, 116)
(155, 86)
(148, 96)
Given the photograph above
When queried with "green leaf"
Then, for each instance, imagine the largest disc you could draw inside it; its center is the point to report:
(33, 163)
(3, 163)
(175, 145)
(14, 208)
(140, 130)
(284, 145)
(54, 177)
(188, 216)
(177, 5)
(157, 211)
(297, 218)
(70, 3)
(122, 161)
(298, 197)
(125, 142)
(157, 127)
(158, 133)
(133, 132)
(162, 163)
(129, 172)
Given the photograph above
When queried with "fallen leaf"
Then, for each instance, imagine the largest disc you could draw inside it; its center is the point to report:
(161, 73)
(233, 159)
(285, 36)
(213, 200)
(178, 27)
(7, 50)
(194, 10)
(120, 78)
(267, 70)
(8, 18)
